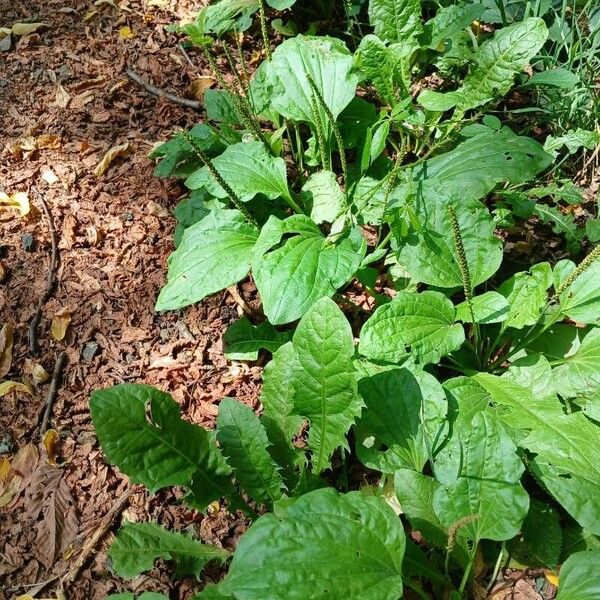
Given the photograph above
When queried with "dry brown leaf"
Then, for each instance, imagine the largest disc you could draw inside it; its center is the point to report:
(50, 497)
(523, 590)
(50, 441)
(79, 101)
(48, 141)
(69, 236)
(199, 86)
(12, 475)
(39, 374)
(60, 322)
(115, 152)
(9, 488)
(27, 28)
(62, 97)
(6, 348)
(26, 460)
(6, 387)
(3, 272)
(19, 200)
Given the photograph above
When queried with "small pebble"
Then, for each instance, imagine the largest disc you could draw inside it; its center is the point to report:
(27, 241)
(89, 351)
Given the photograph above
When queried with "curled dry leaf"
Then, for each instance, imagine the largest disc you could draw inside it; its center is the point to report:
(50, 442)
(199, 86)
(12, 475)
(27, 28)
(115, 152)
(39, 375)
(60, 323)
(19, 200)
(6, 348)
(62, 97)
(6, 387)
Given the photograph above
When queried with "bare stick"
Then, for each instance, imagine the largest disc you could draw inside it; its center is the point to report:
(58, 367)
(162, 93)
(98, 534)
(50, 279)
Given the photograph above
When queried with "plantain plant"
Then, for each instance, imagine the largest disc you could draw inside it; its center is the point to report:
(470, 395)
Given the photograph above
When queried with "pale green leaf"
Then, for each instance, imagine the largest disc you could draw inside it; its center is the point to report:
(421, 324)
(480, 474)
(428, 251)
(403, 422)
(325, 389)
(138, 545)
(465, 399)
(243, 441)
(579, 374)
(324, 198)
(327, 61)
(395, 20)
(564, 446)
(490, 307)
(580, 577)
(249, 169)
(527, 295)
(535, 372)
(292, 276)
(581, 300)
(325, 546)
(213, 254)
(243, 340)
(140, 431)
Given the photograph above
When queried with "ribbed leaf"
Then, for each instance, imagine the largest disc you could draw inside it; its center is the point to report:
(421, 325)
(480, 471)
(140, 431)
(581, 300)
(564, 446)
(325, 546)
(243, 340)
(244, 443)
(138, 545)
(395, 20)
(580, 577)
(213, 254)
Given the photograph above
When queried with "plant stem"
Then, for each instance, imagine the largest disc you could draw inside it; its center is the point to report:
(218, 177)
(496, 570)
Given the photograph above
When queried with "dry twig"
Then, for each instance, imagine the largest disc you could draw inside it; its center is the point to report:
(58, 367)
(162, 93)
(50, 280)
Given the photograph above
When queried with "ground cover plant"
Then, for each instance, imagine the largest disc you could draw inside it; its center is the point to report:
(468, 391)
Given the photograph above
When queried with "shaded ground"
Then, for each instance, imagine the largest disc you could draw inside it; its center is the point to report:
(114, 234)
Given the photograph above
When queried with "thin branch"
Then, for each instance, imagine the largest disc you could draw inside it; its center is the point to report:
(162, 93)
(58, 368)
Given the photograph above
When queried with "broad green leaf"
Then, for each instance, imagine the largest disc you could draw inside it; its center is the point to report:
(325, 389)
(480, 472)
(324, 198)
(448, 21)
(527, 295)
(580, 577)
(573, 140)
(472, 169)
(326, 546)
(560, 78)
(564, 446)
(278, 390)
(177, 158)
(415, 493)
(428, 251)
(466, 398)
(243, 340)
(490, 307)
(497, 62)
(327, 61)
(419, 324)
(190, 210)
(579, 374)
(249, 169)
(226, 15)
(395, 20)
(138, 545)
(540, 540)
(386, 66)
(581, 300)
(291, 276)
(213, 254)
(403, 422)
(535, 372)
(140, 431)
(243, 441)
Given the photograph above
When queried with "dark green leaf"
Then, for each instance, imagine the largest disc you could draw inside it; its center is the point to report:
(243, 340)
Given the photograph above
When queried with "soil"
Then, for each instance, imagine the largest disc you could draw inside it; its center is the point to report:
(65, 101)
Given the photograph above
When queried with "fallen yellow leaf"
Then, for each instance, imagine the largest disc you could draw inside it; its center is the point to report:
(115, 152)
(6, 348)
(48, 141)
(4, 468)
(27, 28)
(39, 374)
(126, 33)
(551, 577)
(18, 200)
(50, 441)
(14, 386)
(60, 322)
